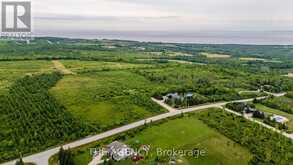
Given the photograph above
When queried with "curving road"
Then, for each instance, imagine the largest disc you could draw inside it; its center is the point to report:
(43, 157)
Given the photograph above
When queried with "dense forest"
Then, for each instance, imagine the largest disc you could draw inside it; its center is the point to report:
(31, 119)
(267, 147)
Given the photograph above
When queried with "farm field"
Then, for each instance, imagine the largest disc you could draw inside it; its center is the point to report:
(88, 66)
(109, 83)
(107, 99)
(214, 55)
(13, 70)
(258, 59)
(186, 134)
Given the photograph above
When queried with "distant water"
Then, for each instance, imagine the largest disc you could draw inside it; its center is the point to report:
(235, 37)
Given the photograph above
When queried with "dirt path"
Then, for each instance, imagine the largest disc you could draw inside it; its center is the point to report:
(61, 68)
(162, 104)
(97, 160)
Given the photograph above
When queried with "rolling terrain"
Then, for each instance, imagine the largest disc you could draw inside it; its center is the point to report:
(56, 92)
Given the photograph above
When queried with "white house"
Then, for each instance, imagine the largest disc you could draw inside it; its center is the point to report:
(279, 119)
(119, 151)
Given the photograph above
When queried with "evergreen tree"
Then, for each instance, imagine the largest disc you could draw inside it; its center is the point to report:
(65, 157)
(20, 161)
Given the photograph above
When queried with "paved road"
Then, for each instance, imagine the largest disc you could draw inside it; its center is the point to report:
(42, 157)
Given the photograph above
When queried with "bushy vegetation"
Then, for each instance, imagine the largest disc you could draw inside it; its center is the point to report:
(116, 50)
(267, 147)
(290, 94)
(238, 107)
(284, 104)
(114, 83)
(212, 83)
(65, 157)
(31, 119)
(271, 111)
(107, 99)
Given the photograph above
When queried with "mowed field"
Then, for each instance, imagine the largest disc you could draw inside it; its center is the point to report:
(182, 134)
(13, 70)
(107, 98)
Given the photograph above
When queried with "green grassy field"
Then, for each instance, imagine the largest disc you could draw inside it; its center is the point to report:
(108, 98)
(186, 134)
(85, 66)
(283, 103)
(110, 87)
(12, 70)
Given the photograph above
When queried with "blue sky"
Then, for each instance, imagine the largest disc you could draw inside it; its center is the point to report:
(163, 15)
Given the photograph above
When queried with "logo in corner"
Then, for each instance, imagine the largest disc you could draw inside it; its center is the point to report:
(16, 17)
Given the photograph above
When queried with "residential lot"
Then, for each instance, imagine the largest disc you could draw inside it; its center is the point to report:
(190, 134)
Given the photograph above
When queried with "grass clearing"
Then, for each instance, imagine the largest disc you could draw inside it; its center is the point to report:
(282, 103)
(215, 55)
(251, 59)
(259, 59)
(85, 66)
(12, 70)
(174, 54)
(107, 99)
(182, 134)
(61, 68)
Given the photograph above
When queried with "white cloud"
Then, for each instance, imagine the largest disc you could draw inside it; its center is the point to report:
(160, 15)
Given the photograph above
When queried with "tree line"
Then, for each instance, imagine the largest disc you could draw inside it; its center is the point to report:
(32, 119)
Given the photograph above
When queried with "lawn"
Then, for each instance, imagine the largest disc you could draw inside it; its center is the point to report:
(277, 112)
(107, 98)
(186, 134)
